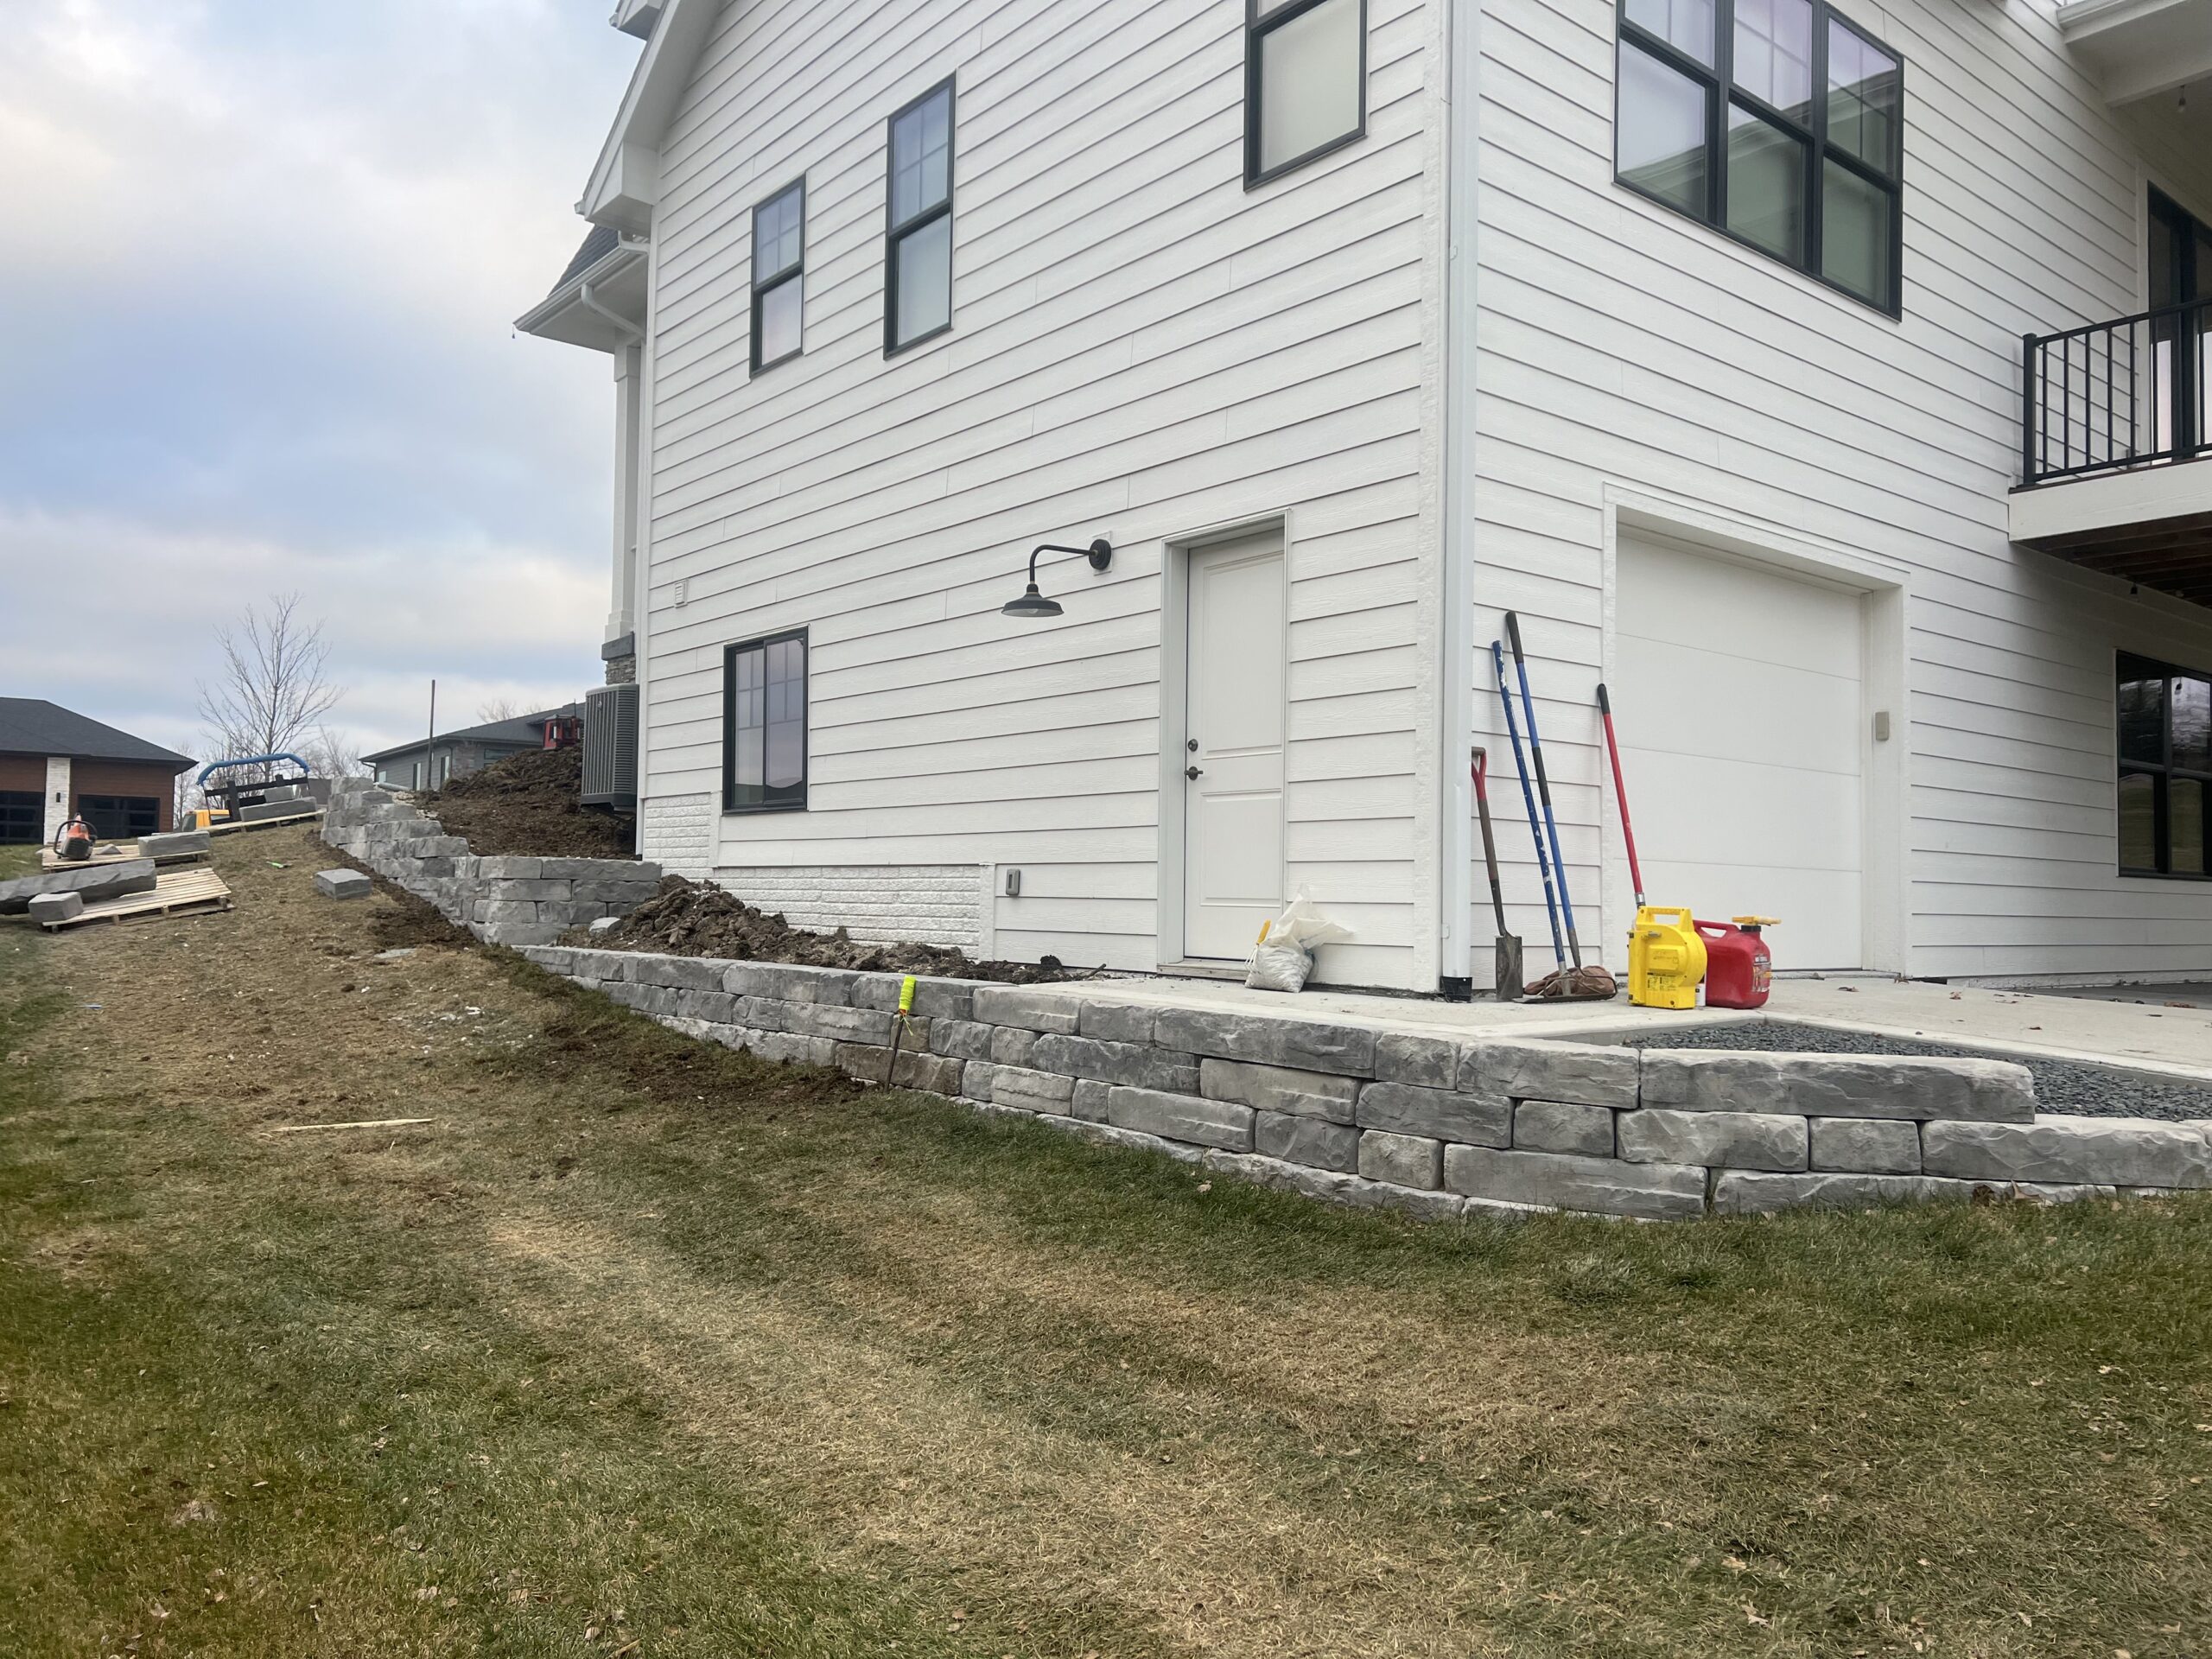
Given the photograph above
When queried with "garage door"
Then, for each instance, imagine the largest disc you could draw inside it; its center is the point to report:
(1737, 694)
(22, 819)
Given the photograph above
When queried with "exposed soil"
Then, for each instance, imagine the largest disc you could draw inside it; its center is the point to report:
(688, 918)
(532, 805)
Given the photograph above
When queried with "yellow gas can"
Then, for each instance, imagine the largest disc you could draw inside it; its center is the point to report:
(1665, 959)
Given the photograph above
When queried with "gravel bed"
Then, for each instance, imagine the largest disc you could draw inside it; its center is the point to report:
(2060, 1085)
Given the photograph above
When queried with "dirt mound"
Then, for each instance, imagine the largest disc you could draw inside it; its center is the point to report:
(531, 804)
(687, 918)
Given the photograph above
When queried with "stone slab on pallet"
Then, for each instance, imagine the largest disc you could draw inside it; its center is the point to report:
(90, 882)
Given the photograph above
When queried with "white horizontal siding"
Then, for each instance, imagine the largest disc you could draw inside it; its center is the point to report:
(1142, 349)
(1622, 346)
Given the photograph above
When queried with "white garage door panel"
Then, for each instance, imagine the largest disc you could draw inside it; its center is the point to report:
(1737, 692)
(1811, 717)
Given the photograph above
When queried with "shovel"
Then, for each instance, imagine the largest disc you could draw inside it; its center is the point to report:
(1508, 972)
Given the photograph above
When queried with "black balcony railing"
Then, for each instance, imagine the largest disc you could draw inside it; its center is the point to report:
(2129, 393)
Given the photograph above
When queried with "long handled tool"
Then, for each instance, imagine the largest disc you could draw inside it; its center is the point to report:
(1509, 969)
(1529, 797)
(1592, 980)
(1620, 792)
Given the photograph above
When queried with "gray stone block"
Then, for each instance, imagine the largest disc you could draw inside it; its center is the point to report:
(49, 908)
(1563, 1125)
(1402, 1160)
(1280, 1088)
(1314, 1142)
(1115, 1022)
(1839, 1085)
(90, 882)
(1300, 1178)
(2112, 1151)
(1027, 1009)
(1011, 1045)
(1139, 1064)
(1429, 1062)
(930, 1073)
(1091, 1098)
(975, 1078)
(1128, 1140)
(351, 884)
(1308, 1045)
(1530, 1069)
(1771, 1141)
(1182, 1117)
(1436, 1113)
(495, 911)
(963, 1040)
(788, 982)
(173, 843)
(686, 973)
(1746, 1193)
(1032, 1091)
(1562, 1181)
(1362, 1194)
(522, 933)
(947, 998)
(563, 891)
(845, 1025)
(605, 925)
(509, 868)
(717, 1007)
(1865, 1145)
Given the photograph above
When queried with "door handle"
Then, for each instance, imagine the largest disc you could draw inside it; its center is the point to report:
(1192, 772)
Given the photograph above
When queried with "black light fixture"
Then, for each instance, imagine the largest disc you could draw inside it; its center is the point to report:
(1033, 603)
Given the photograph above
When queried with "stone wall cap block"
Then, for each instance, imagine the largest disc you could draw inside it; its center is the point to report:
(2068, 1150)
(1408, 1057)
(1026, 1008)
(1307, 1046)
(1528, 1068)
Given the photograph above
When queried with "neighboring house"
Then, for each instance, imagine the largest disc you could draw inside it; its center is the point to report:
(56, 766)
(1694, 331)
(455, 754)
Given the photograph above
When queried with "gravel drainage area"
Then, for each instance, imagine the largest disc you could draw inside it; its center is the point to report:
(2061, 1086)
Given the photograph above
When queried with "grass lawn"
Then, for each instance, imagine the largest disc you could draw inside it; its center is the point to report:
(17, 861)
(642, 1349)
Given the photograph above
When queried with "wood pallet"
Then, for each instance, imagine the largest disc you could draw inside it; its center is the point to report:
(122, 853)
(178, 893)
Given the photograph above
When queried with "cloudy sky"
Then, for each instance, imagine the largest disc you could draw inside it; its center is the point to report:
(259, 260)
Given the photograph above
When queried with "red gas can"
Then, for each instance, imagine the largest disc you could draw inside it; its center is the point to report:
(1738, 971)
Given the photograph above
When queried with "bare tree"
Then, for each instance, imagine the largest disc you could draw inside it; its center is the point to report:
(332, 753)
(275, 687)
(492, 709)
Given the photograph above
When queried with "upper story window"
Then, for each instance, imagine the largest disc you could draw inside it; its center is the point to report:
(778, 277)
(2166, 769)
(1778, 122)
(1305, 82)
(917, 235)
(764, 724)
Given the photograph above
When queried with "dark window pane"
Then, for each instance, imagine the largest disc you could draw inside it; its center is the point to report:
(1774, 54)
(924, 260)
(1309, 82)
(1766, 185)
(1660, 146)
(1855, 233)
(921, 155)
(2138, 833)
(780, 309)
(2185, 824)
(1687, 24)
(2193, 724)
(2143, 721)
(1862, 99)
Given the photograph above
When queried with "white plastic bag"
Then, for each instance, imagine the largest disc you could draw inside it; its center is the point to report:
(1284, 959)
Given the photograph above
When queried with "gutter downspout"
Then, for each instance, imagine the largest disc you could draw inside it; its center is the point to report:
(590, 301)
(1455, 727)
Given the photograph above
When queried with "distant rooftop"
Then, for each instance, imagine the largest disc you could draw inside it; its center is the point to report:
(523, 731)
(34, 725)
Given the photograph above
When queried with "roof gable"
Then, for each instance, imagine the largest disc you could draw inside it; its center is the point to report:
(625, 186)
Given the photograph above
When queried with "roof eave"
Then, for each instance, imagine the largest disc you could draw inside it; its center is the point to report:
(573, 314)
(625, 184)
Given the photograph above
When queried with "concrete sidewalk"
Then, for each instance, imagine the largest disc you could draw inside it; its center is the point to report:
(2175, 1043)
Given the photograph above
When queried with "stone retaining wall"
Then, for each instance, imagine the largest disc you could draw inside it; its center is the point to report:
(502, 900)
(1441, 1126)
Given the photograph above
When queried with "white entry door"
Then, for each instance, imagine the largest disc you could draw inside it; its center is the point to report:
(1233, 725)
(1737, 694)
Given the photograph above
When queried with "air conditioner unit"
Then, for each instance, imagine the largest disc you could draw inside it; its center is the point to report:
(611, 747)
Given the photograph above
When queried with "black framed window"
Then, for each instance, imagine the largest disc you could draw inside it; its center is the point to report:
(764, 724)
(917, 228)
(1777, 122)
(2165, 768)
(778, 277)
(1305, 82)
(119, 817)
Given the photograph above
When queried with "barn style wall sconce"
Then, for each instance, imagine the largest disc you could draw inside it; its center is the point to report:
(1034, 604)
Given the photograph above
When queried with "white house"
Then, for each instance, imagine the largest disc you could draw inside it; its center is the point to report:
(1694, 332)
